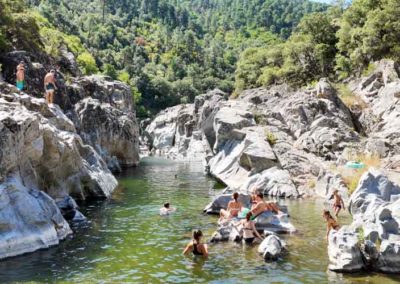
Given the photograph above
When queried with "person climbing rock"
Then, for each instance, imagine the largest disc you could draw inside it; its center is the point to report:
(338, 203)
(166, 209)
(20, 80)
(232, 210)
(195, 246)
(331, 223)
(50, 86)
(249, 230)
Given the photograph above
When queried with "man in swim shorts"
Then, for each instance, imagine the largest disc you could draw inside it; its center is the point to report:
(50, 86)
(20, 82)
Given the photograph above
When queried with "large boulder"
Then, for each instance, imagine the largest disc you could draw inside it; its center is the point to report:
(344, 252)
(221, 202)
(42, 159)
(375, 208)
(104, 114)
(29, 219)
(271, 248)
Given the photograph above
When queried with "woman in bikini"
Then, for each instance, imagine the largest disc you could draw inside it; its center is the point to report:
(20, 82)
(338, 202)
(331, 223)
(249, 230)
(195, 246)
(233, 209)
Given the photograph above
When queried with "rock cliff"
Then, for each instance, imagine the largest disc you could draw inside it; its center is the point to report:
(51, 156)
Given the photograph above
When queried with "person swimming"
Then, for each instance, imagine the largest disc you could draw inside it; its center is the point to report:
(249, 229)
(195, 246)
(233, 209)
(166, 209)
(338, 203)
(331, 223)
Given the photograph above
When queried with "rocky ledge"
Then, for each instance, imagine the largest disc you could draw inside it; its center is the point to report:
(372, 241)
(51, 156)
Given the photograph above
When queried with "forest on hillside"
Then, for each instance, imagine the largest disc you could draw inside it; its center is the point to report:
(169, 51)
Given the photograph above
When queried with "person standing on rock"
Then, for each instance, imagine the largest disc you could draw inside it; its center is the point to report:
(331, 223)
(50, 86)
(20, 80)
(233, 209)
(338, 202)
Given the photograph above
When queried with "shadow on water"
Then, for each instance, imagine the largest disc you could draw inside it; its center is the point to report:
(125, 240)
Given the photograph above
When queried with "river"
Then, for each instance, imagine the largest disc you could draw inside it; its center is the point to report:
(126, 241)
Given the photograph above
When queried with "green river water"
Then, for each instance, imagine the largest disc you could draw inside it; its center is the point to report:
(126, 241)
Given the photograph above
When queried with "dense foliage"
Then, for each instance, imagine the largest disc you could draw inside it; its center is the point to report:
(340, 42)
(173, 50)
(169, 51)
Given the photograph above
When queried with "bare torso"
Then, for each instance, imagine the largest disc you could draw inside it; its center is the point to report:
(49, 79)
(20, 72)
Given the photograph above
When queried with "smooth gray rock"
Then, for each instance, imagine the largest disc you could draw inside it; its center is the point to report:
(272, 248)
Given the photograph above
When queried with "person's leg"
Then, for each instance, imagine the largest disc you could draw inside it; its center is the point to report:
(46, 96)
(51, 97)
(337, 210)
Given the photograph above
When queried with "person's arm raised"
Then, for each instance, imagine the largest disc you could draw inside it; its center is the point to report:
(187, 249)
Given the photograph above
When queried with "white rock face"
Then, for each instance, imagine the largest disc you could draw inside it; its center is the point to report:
(42, 158)
(376, 210)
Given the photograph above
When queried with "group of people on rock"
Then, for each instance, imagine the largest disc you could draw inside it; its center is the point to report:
(49, 82)
(250, 233)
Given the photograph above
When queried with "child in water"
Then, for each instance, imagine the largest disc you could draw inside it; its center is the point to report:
(338, 202)
(331, 223)
(195, 246)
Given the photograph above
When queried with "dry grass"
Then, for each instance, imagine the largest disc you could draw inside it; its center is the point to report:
(351, 177)
(351, 100)
(271, 138)
(311, 183)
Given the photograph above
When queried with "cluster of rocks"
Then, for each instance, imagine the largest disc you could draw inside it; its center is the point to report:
(275, 140)
(51, 156)
(286, 143)
(372, 240)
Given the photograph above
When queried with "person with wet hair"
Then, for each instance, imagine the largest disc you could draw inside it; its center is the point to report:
(249, 229)
(233, 209)
(195, 246)
(166, 209)
(331, 223)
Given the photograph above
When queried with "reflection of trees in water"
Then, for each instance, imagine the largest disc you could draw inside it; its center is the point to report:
(73, 254)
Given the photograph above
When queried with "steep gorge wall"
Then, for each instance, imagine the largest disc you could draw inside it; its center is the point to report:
(51, 156)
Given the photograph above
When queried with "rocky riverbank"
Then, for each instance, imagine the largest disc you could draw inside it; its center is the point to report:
(51, 156)
(293, 143)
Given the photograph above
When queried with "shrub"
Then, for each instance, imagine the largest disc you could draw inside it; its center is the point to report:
(271, 138)
(351, 100)
(87, 63)
(370, 161)
(369, 70)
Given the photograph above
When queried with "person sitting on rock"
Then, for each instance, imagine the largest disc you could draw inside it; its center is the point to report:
(331, 223)
(233, 209)
(249, 229)
(259, 205)
(166, 209)
(338, 202)
(20, 82)
(50, 86)
(195, 246)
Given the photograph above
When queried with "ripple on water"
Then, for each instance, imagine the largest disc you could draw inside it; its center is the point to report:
(126, 241)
